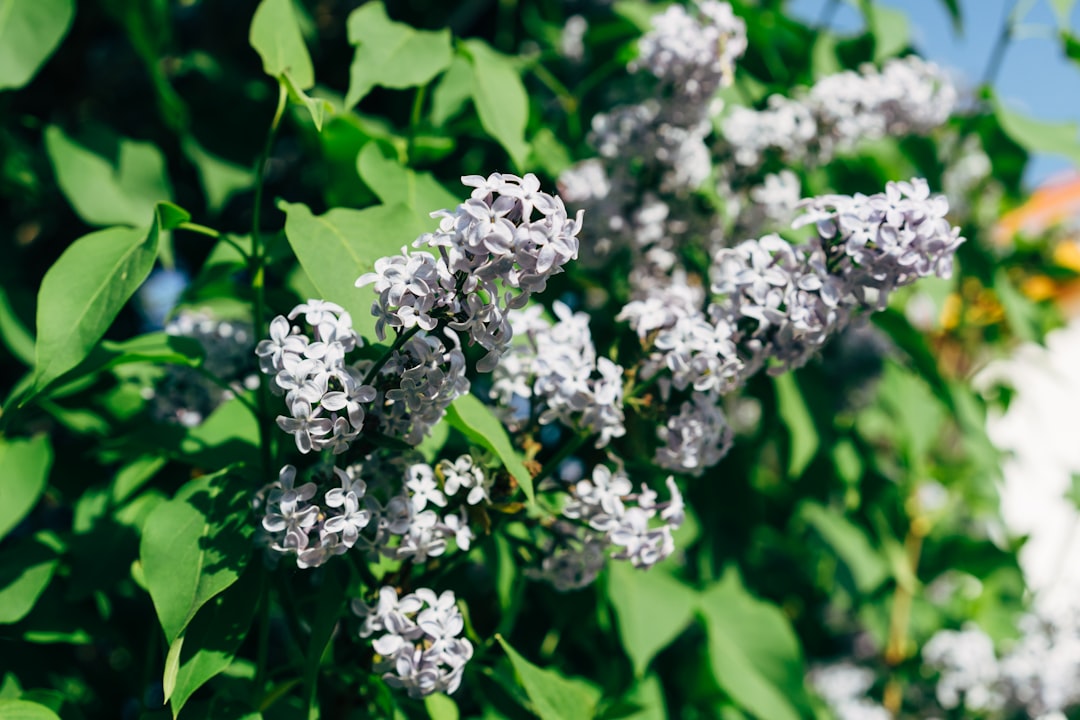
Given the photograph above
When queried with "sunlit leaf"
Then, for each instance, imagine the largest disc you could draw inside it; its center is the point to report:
(25, 464)
(754, 652)
(275, 35)
(30, 30)
(652, 609)
(392, 54)
(500, 98)
(103, 193)
(84, 291)
(553, 697)
(25, 710)
(475, 420)
(194, 546)
(25, 571)
(395, 184)
(793, 411)
(850, 543)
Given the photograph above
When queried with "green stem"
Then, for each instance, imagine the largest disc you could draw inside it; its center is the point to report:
(399, 341)
(212, 233)
(257, 263)
(565, 97)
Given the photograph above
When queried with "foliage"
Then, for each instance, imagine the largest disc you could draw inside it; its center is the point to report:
(161, 551)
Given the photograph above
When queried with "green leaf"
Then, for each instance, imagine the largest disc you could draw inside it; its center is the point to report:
(336, 248)
(636, 12)
(15, 335)
(220, 179)
(30, 30)
(392, 54)
(500, 98)
(1061, 138)
(194, 546)
(25, 571)
(476, 422)
(25, 710)
(441, 707)
(652, 608)
(318, 108)
(891, 29)
(953, 8)
(1062, 10)
(553, 696)
(84, 291)
(170, 216)
(452, 92)
(1021, 313)
(210, 642)
(645, 701)
(104, 194)
(548, 153)
(275, 35)
(800, 425)
(867, 567)
(25, 466)
(395, 184)
(753, 650)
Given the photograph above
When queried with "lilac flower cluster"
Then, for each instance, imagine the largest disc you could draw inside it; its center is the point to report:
(185, 396)
(324, 395)
(557, 374)
(694, 51)
(845, 688)
(390, 507)
(419, 648)
(875, 244)
(604, 515)
(495, 250)
(908, 95)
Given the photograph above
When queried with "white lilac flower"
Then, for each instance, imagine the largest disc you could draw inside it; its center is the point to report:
(969, 673)
(556, 369)
(604, 514)
(696, 438)
(693, 51)
(420, 647)
(325, 396)
(907, 96)
(845, 686)
(487, 256)
(464, 474)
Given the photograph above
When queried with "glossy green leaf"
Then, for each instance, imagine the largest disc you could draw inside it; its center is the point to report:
(394, 184)
(500, 98)
(553, 697)
(755, 655)
(441, 707)
(25, 571)
(318, 108)
(210, 642)
(275, 35)
(338, 247)
(25, 464)
(891, 29)
(392, 54)
(452, 92)
(850, 543)
(84, 291)
(645, 701)
(220, 179)
(196, 545)
(30, 31)
(25, 710)
(796, 416)
(652, 608)
(476, 422)
(16, 337)
(103, 193)
(1060, 138)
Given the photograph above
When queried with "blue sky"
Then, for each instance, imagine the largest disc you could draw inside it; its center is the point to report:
(1036, 78)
